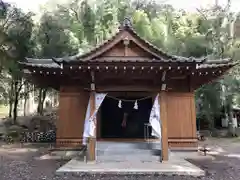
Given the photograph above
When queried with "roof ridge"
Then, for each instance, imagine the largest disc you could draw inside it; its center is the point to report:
(127, 23)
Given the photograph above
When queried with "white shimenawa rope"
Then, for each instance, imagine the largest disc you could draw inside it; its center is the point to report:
(129, 100)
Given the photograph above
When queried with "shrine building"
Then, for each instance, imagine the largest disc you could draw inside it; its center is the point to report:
(131, 73)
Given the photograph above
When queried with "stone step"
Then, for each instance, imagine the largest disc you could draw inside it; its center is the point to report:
(127, 149)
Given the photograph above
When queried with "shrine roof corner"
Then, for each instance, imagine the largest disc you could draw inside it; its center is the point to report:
(41, 63)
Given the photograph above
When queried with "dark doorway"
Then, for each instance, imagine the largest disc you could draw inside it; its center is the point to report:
(112, 118)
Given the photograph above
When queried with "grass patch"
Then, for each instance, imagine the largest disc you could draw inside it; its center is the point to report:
(3, 111)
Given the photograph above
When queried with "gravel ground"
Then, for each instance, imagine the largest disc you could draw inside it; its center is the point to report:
(23, 166)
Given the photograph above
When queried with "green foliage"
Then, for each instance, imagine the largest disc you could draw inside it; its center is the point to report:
(54, 40)
(16, 44)
(209, 103)
(80, 25)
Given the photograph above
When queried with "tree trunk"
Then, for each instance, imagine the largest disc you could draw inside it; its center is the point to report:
(44, 96)
(15, 108)
(229, 102)
(26, 98)
(211, 122)
(25, 105)
(15, 103)
(41, 99)
(10, 108)
(10, 101)
(17, 89)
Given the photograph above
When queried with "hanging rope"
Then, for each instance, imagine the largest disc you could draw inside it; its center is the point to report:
(129, 100)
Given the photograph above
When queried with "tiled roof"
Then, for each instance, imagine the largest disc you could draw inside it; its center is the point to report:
(126, 26)
(45, 63)
(205, 66)
(217, 64)
(49, 63)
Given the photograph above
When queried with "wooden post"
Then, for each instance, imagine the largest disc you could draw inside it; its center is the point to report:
(98, 124)
(193, 117)
(92, 140)
(163, 116)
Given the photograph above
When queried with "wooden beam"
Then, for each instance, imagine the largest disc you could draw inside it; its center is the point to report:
(163, 116)
(92, 140)
(117, 88)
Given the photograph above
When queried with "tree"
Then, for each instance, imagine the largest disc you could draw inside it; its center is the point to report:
(16, 29)
(53, 40)
(79, 25)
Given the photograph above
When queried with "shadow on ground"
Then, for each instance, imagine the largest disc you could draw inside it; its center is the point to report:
(25, 166)
(221, 167)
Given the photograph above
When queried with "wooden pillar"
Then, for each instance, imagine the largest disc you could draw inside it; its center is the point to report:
(92, 140)
(163, 116)
(193, 116)
(99, 123)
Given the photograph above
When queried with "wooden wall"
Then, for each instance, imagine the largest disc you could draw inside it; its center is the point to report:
(72, 109)
(181, 118)
(181, 115)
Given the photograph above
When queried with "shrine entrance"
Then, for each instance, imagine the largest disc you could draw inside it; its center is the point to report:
(122, 120)
(124, 117)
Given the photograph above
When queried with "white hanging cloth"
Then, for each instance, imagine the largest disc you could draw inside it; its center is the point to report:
(155, 118)
(120, 104)
(90, 120)
(135, 105)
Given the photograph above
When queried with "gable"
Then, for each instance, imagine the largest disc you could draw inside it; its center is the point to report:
(131, 50)
(125, 44)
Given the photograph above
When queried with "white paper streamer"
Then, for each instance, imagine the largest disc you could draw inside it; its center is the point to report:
(155, 118)
(90, 120)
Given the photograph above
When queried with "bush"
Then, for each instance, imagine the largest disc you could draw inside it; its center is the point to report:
(13, 134)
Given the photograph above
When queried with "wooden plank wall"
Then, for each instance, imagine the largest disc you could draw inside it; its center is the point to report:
(72, 109)
(181, 120)
(181, 117)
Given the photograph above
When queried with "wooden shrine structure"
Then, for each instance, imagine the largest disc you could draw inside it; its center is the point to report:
(126, 63)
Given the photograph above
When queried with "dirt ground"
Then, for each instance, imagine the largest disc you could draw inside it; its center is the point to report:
(228, 145)
(20, 163)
